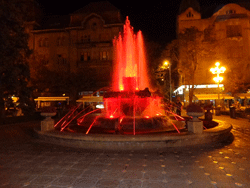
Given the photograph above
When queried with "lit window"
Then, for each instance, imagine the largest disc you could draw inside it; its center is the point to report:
(85, 56)
(230, 11)
(104, 55)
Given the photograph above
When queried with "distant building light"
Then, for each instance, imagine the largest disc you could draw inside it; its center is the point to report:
(100, 106)
(180, 89)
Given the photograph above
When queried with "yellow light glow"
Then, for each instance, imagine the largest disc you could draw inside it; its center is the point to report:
(121, 88)
(223, 69)
(218, 70)
(165, 65)
(218, 79)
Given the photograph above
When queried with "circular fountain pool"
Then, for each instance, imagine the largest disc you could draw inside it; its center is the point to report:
(133, 117)
(99, 124)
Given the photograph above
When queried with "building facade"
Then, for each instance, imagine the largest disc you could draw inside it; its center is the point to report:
(81, 42)
(229, 26)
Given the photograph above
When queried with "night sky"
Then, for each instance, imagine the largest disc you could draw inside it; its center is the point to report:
(156, 19)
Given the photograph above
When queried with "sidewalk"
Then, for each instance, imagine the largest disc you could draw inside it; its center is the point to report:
(26, 163)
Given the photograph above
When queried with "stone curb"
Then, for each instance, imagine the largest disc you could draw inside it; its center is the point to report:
(219, 133)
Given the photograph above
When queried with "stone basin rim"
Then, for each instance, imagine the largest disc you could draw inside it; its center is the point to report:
(222, 128)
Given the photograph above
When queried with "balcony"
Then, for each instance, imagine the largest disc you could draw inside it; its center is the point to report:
(89, 44)
(94, 64)
(230, 16)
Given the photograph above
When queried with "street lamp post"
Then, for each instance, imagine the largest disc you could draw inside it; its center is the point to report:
(166, 65)
(218, 70)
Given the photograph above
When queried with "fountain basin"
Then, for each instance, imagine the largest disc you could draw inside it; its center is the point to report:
(154, 141)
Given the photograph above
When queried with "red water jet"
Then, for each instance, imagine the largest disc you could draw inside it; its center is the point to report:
(129, 107)
(130, 67)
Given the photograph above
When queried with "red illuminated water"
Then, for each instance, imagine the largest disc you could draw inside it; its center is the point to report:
(129, 107)
(130, 67)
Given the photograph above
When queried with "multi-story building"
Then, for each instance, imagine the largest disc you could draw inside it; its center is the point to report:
(81, 42)
(230, 26)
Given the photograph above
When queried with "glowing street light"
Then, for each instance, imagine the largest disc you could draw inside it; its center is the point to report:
(218, 70)
(166, 65)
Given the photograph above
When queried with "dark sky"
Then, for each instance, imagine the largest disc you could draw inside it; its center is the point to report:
(156, 19)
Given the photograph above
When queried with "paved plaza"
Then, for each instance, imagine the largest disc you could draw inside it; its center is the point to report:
(25, 162)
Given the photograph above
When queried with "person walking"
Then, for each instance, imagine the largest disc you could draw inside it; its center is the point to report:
(179, 107)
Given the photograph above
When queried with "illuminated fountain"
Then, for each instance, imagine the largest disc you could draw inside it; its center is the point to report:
(130, 107)
(133, 117)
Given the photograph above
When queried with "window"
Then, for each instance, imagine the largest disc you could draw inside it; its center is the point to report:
(82, 39)
(82, 57)
(189, 15)
(85, 38)
(104, 55)
(46, 42)
(234, 30)
(59, 41)
(61, 59)
(248, 68)
(230, 11)
(94, 26)
(85, 56)
(207, 34)
(40, 43)
(45, 60)
(63, 41)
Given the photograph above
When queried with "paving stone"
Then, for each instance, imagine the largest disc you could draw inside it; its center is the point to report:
(73, 172)
(131, 174)
(155, 175)
(54, 171)
(107, 183)
(113, 174)
(154, 184)
(90, 173)
(43, 179)
(222, 178)
(28, 164)
(64, 181)
(36, 170)
(80, 165)
(85, 182)
(130, 184)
